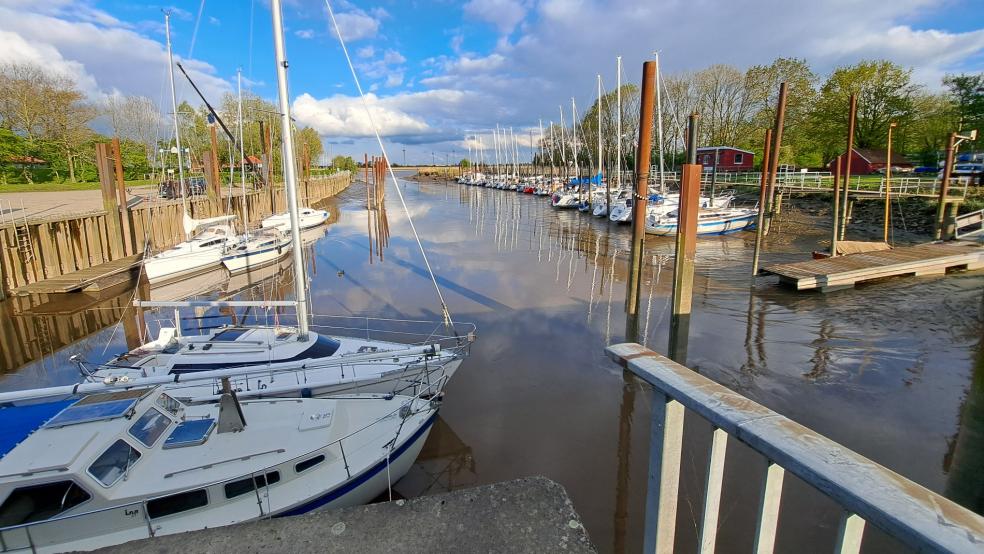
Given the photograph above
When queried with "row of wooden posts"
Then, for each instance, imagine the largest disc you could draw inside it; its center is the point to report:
(34, 250)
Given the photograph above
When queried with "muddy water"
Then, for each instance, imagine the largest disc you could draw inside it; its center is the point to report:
(893, 370)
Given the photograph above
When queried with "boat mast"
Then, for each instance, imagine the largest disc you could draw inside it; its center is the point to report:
(242, 155)
(607, 193)
(553, 150)
(577, 167)
(659, 129)
(495, 144)
(290, 173)
(174, 112)
(563, 143)
(542, 161)
(618, 126)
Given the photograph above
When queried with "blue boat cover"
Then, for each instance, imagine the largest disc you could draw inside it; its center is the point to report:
(18, 422)
(586, 180)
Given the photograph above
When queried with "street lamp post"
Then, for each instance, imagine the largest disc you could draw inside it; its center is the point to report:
(888, 179)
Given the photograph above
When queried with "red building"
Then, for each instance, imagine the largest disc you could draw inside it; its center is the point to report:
(865, 161)
(729, 158)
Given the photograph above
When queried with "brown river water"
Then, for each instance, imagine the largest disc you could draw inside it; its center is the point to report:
(893, 370)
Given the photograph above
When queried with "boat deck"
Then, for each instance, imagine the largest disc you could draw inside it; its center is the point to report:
(93, 278)
(845, 271)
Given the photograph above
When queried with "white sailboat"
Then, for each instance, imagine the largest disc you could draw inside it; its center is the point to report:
(255, 249)
(309, 218)
(715, 221)
(208, 237)
(318, 364)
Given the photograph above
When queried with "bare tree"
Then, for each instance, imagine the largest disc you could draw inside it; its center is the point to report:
(135, 118)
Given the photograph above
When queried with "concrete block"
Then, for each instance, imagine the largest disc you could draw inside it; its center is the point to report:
(526, 515)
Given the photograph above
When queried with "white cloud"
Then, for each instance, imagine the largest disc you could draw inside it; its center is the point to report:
(394, 80)
(357, 25)
(412, 116)
(504, 14)
(214, 20)
(304, 33)
(102, 54)
(366, 52)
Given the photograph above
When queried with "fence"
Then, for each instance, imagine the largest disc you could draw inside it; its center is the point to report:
(864, 490)
(34, 249)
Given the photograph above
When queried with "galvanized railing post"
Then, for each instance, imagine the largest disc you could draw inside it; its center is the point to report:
(665, 447)
(850, 533)
(768, 518)
(712, 491)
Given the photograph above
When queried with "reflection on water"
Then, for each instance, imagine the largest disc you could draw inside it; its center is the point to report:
(892, 370)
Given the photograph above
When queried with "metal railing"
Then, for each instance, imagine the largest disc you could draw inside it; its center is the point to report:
(864, 490)
(969, 224)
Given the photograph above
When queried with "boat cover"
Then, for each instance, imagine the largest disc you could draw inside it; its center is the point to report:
(20, 421)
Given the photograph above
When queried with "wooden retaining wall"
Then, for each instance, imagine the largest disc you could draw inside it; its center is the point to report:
(50, 247)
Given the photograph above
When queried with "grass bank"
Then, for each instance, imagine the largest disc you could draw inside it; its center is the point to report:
(67, 186)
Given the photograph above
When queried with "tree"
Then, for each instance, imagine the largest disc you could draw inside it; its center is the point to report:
(136, 119)
(464, 163)
(801, 94)
(345, 163)
(11, 146)
(307, 142)
(968, 94)
(886, 94)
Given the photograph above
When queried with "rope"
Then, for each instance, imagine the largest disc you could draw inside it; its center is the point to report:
(382, 148)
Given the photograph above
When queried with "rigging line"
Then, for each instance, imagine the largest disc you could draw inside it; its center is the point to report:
(379, 140)
(194, 34)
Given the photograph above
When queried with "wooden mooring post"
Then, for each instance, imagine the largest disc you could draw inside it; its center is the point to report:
(637, 250)
(851, 120)
(107, 182)
(686, 249)
(774, 155)
(760, 220)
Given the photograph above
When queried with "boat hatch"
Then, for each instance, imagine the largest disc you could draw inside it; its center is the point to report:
(85, 412)
(192, 432)
(229, 335)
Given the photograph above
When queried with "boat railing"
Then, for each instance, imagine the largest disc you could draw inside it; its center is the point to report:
(20, 538)
(864, 491)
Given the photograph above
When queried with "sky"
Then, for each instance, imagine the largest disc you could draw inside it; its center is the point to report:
(436, 72)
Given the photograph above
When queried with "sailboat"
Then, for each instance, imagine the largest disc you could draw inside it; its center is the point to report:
(309, 218)
(315, 363)
(714, 221)
(208, 238)
(266, 246)
(106, 462)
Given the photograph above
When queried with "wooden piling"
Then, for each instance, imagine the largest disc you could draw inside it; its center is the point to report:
(774, 155)
(835, 229)
(938, 231)
(686, 250)
(637, 249)
(760, 221)
(107, 182)
(851, 120)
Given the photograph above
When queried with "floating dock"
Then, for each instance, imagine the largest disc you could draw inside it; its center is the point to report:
(845, 271)
(94, 279)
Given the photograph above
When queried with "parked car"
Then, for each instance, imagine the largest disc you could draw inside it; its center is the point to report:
(926, 169)
(170, 190)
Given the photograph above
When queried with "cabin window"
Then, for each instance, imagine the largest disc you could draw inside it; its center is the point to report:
(248, 485)
(322, 348)
(739, 157)
(114, 463)
(150, 427)
(210, 243)
(41, 502)
(309, 463)
(177, 503)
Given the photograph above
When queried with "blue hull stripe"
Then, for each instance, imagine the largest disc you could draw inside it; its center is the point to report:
(354, 483)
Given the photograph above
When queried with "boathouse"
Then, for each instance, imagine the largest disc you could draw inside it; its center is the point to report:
(729, 158)
(865, 161)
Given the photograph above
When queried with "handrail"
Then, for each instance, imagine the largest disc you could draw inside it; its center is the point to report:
(866, 490)
(967, 220)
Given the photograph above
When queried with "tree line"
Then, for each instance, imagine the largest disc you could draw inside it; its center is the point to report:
(44, 116)
(736, 106)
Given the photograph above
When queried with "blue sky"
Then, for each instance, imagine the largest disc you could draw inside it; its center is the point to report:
(440, 70)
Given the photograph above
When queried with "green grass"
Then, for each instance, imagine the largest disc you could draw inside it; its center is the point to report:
(61, 187)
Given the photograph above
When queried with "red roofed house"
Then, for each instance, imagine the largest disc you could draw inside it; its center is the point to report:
(729, 158)
(865, 161)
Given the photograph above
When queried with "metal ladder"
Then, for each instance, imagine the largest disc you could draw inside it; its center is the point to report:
(22, 232)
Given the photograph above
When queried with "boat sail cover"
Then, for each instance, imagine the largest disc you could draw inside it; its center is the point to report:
(190, 224)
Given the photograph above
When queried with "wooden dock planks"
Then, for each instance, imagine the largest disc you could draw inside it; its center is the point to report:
(845, 271)
(93, 278)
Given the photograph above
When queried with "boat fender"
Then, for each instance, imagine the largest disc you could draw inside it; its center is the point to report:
(305, 393)
(404, 411)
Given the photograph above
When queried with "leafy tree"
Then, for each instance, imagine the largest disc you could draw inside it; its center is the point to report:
(307, 142)
(801, 95)
(968, 93)
(464, 163)
(886, 94)
(11, 146)
(345, 163)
